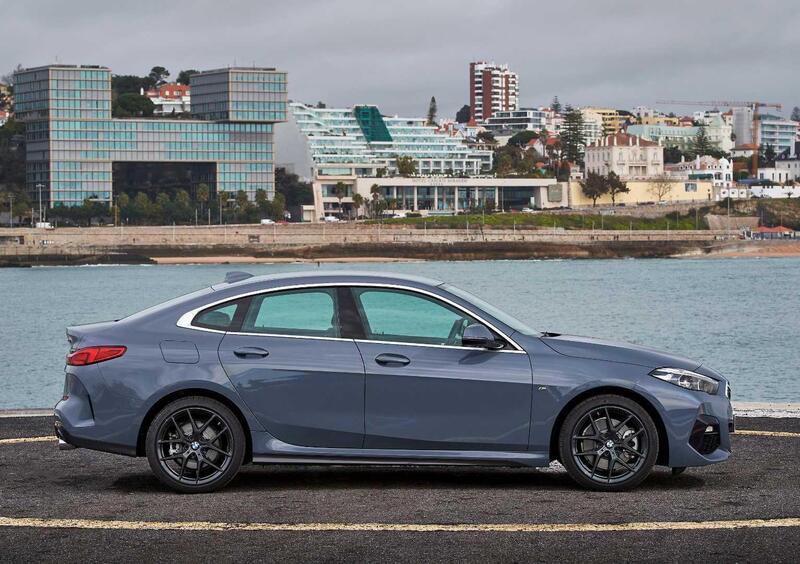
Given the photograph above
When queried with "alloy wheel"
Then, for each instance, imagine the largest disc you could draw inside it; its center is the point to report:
(194, 445)
(610, 444)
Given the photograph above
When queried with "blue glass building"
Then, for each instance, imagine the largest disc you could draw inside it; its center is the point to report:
(72, 140)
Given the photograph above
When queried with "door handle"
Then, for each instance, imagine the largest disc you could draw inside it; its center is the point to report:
(389, 359)
(244, 352)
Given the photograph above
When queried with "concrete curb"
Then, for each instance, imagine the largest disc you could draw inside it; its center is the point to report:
(741, 408)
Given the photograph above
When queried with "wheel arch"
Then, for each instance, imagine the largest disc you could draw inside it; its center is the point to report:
(663, 440)
(177, 394)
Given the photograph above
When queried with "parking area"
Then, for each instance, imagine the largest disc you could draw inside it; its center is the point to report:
(60, 504)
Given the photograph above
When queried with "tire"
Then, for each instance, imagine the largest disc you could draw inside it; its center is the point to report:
(195, 445)
(608, 460)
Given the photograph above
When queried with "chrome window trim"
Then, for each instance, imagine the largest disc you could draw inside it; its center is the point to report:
(185, 320)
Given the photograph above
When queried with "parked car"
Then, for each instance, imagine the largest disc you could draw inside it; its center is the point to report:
(340, 368)
(267, 222)
(331, 219)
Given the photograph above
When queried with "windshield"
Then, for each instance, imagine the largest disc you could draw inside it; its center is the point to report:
(498, 314)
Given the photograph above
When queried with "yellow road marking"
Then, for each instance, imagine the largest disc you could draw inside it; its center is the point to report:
(398, 527)
(766, 433)
(27, 440)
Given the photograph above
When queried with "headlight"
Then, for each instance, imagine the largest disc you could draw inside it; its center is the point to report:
(687, 379)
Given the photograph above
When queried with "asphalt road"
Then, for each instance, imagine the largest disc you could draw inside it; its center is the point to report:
(761, 481)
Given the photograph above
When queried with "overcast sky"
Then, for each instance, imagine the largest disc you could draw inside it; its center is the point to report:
(397, 54)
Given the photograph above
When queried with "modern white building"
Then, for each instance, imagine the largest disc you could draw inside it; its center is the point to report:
(628, 156)
(366, 141)
(523, 119)
(592, 125)
(719, 171)
(778, 132)
(492, 88)
(350, 150)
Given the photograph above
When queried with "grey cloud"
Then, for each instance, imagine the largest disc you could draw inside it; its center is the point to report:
(398, 54)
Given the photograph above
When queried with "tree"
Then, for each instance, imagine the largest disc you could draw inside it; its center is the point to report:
(796, 113)
(522, 138)
(203, 194)
(555, 105)
(615, 186)
(406, 166)
(486, 137)
(158, 76)
(132, 105)
(463, 115)
(185, 75)
(769, 154)
(432, 111)
(377, 202)
(672, 155)
(701, 145)
(573, 139)
(594, 186)
(358, 201)
(660, 187)
(125, 83)
(340, 190)
(295, 192)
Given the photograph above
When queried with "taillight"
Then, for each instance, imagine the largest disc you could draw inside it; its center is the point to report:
(93, 355)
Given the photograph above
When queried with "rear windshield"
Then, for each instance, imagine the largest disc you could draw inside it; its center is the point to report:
(168, 304)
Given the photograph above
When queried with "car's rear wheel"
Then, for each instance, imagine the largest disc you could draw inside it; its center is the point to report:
(195, 444)
(608, 443)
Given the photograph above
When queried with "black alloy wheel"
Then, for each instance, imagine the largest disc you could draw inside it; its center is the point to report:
(608, 443)
(195, 444)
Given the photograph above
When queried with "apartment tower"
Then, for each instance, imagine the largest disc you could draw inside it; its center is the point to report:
(492, 88)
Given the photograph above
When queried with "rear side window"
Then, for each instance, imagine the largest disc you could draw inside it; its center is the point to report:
(311, 312)
(220, 317)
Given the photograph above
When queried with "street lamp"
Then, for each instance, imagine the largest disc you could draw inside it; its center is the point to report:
(40, 186)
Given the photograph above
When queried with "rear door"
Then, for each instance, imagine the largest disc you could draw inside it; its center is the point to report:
(295, 371)
(424, 390)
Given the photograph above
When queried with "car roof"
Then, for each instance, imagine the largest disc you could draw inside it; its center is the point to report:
(328, 276)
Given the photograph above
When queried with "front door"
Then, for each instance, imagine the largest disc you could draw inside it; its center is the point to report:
(424, 390)
(303, 381)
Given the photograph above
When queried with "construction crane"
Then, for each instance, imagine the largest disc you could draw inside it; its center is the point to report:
(731, 104)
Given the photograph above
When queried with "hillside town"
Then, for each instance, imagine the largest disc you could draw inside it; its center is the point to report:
(164, 151)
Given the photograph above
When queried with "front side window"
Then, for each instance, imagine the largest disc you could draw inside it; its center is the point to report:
(404, 316)
(300, 312)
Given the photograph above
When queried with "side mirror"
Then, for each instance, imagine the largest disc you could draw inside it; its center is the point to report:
(479, 336)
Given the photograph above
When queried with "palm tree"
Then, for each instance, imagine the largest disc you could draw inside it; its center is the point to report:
(375, 192)
(340, 190)
(202, 196)
(358, 201)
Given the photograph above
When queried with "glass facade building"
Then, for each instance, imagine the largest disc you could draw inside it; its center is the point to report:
(72, 140)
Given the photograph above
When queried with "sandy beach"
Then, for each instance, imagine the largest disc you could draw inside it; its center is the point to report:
(271, 260)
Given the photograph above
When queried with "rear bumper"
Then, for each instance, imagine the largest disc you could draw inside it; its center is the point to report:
(75, 423)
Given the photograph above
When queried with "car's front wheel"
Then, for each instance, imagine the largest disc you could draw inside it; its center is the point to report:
(195, 444)
(608, 443)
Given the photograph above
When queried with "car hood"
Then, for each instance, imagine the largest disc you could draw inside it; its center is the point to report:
(599, 349)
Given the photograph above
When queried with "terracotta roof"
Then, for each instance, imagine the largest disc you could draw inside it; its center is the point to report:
(622, 139)
(744, 147)
(779, 229)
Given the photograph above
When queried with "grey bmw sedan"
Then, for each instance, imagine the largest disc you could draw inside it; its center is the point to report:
(368, 368)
